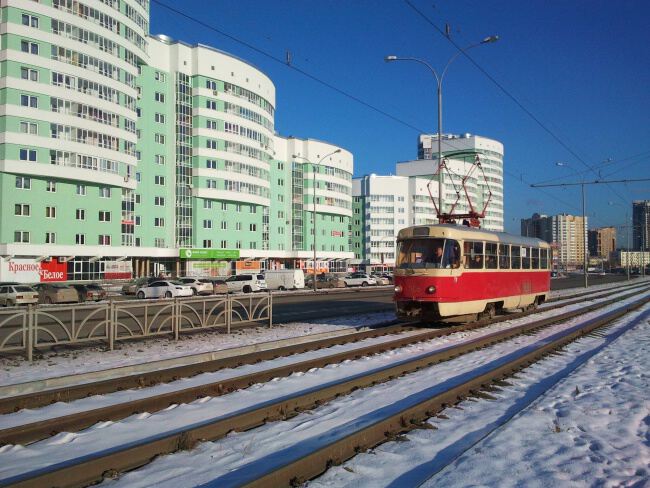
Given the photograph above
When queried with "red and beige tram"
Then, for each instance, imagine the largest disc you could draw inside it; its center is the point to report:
(450, 272)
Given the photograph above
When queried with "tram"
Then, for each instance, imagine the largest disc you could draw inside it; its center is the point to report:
(455, 273)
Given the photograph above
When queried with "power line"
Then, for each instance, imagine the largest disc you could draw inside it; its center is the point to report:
(595, 182)
(507, 93)
(292, 66)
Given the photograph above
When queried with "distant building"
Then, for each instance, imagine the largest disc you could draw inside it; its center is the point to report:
(539, 226)
(566, 234)
(641, 225)
(602, 242)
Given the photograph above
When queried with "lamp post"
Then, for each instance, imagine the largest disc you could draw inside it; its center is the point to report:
(314, 168)
(439, 80)
(629, 235)
(584, 230)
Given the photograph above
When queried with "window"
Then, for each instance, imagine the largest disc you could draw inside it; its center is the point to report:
(159, 180)
(211, 183)
(104, 192)
(138, 220)
(543, 257)
(50, 186)
(473, 252)
(224, 225)
(21, 236)
(50, 212)
(211, 164)
(81, 190)
(160, 118)
(159, 201)
(28, 74)
(280, 165)
(50, 238)
(22, 210)
(159, 222)
(159, 76)
(207, 224)
(159, 97)
(104, 216)
(211, 144)
(80, 239)
(159, 242)
(28, 155)
(80, 214)
(252, 245)
(28, 101)
(207, 243)
(160, 159)
(224, 206)
(210, 84)
(207, 204)
(280, 182)
(515, 253)
(237, 244)
(237, 225)
(104, 240)
(252, 227)
(525, 257)
(29, 128)
(159, 138)
(211, 124)
(29, 47)
(224, 244)
(211, 104)
(253, 209)
(138, 242)
(30, 21)
(280, 214)
(504, 256)
(535, 258)
(238, 208)
(490, 255)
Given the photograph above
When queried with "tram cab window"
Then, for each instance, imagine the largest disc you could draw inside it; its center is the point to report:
(490, 255)
(473, 252)
(525, 257)
(515, 252)
(535, 258)
(543, 259)
(504, 256)
(428, 254)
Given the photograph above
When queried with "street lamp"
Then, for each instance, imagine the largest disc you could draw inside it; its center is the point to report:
(584, 229)
(629, 234)
(314, 168)
(439, 79)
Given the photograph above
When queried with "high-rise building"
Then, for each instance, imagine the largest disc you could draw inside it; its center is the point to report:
(641, 225)
(126, 153)
(565, 233)
(602, 242)
(539, 226)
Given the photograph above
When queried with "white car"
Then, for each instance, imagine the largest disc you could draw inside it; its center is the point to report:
(246, 283)
(11, 295)
(164, 289)
(198, 287)
(359, 279)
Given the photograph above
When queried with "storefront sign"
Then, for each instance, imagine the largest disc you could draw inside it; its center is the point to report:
(248, 266)
(31, 271)
(209, 253)
(118, 270)
(207, 268)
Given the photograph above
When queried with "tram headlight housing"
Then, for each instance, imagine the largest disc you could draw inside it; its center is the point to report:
(398, 289)
(431, 289)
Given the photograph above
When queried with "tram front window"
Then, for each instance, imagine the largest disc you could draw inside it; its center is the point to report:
(428, 254)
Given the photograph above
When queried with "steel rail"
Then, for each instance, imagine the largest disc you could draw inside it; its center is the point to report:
(91, 467)
(34, 431)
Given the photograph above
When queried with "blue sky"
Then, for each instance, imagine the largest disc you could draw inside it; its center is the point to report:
(581, 67)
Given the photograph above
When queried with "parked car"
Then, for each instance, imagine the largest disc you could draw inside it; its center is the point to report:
(198, 287)
(246, 283)
(90, 292)
(56, 293)
(164, 289)
(218, 285)
(132, 286)
(381, 279)
(11, 295)
(324, 280)
(285, 279)
(359, 279)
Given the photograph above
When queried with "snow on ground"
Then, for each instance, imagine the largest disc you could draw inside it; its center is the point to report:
(592, 428)
(240, 456)
(67, 361)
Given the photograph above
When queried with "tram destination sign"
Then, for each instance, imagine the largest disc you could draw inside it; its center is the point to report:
(209, 253)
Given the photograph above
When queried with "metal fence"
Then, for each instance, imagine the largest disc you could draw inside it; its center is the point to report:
(46, 326)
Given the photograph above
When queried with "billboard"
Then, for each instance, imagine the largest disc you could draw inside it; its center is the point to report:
(118, 270)
(32, 271)
(208, 253)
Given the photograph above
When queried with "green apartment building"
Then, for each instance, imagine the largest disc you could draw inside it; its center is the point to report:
(121, 152)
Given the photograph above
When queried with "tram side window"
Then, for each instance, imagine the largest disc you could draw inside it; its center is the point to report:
(525, 257)
(490, 255)
(516, 257)
(535, 258)
(473, 252)
(543, 258)
(504, 256)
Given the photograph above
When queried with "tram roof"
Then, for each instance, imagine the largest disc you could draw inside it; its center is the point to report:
(463, 232)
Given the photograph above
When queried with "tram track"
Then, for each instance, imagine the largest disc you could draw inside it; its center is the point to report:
(141, 453)
(36, 396)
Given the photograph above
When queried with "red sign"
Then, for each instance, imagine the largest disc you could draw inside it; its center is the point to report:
(27, 271)
(337, 233)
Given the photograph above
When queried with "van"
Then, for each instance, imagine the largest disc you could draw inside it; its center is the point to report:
(285, 279)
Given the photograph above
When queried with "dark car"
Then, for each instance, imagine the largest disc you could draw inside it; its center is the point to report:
(90, 292)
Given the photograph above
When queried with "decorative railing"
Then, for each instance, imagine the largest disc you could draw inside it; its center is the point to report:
(36, 327)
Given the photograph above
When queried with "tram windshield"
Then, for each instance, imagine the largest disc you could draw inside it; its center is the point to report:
(428, 254)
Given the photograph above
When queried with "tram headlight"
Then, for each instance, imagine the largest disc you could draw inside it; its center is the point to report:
(431, 289)
(398, 289)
